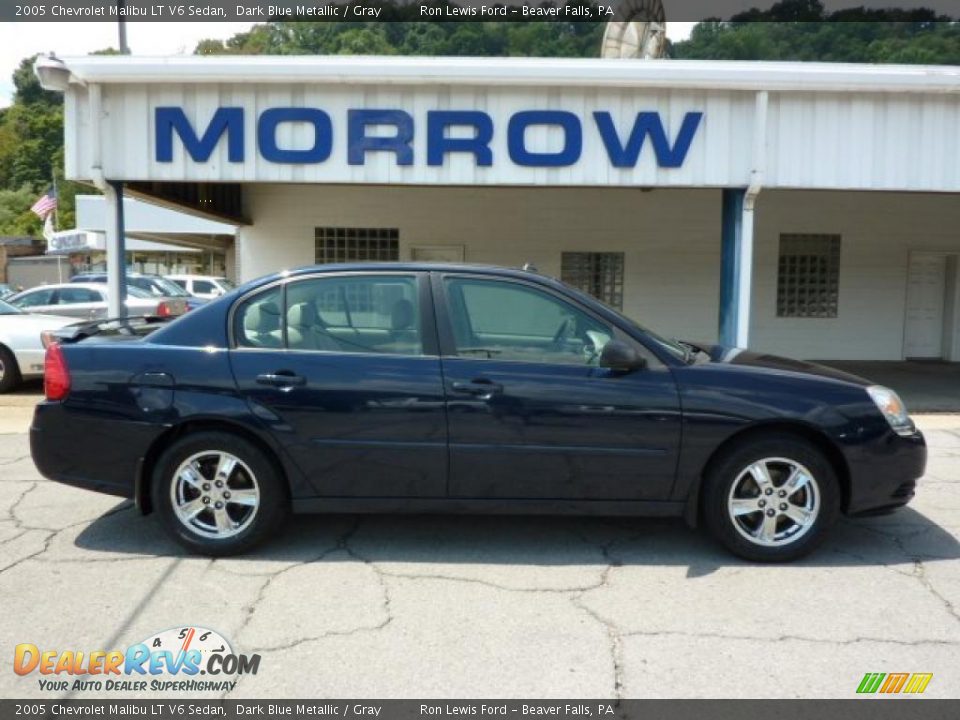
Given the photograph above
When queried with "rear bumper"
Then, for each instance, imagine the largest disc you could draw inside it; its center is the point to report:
(89, 451)
(884, 473)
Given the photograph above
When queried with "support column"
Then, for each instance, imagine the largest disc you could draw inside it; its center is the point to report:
(731, 266)
(116, 251)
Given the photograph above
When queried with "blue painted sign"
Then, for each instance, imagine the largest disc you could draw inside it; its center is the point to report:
(623, 149)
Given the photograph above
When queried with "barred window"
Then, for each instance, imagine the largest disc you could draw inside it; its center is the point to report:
(808, 276)
(337, 244)
(598, 273)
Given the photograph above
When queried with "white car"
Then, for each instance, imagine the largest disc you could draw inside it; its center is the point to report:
(203, 286)
(21, 347)
(89, 301)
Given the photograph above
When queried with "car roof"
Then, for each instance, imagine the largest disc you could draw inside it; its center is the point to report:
(65, 286)
(382, 267)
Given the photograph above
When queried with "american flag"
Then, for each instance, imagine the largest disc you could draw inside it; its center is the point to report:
(46, 204)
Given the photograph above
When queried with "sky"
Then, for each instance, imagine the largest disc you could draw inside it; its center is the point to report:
(19, 40)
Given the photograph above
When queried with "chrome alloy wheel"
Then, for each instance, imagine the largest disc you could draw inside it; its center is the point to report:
(215, 494)
(774, 502)
(3, 369)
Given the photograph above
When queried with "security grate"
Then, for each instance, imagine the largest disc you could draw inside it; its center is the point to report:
(808, 276)
(598, 273)
(337, 244)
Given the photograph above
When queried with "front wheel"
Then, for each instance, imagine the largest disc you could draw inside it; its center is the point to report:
(771, 499)
(218, 494)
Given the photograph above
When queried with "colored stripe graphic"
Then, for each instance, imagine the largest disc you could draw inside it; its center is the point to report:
(918, 682)
(870, 683)
(894, 683)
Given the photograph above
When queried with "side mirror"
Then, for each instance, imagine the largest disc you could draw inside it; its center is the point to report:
(620, 356)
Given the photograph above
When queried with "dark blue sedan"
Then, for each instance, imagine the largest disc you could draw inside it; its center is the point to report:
(453, 388)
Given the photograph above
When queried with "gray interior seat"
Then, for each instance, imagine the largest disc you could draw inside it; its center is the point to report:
(261, 325)
(306, 330)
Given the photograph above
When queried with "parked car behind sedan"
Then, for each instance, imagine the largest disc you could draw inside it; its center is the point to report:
(457, 388)
(21, 347)
(89, 301)
(207, 287)
(154, 285)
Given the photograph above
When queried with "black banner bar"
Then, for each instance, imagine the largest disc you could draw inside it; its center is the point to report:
(872, 708)
(461, 10)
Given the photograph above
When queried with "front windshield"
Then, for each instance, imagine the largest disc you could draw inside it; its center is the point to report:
(226, 284)
(8, 309)
(671, 346)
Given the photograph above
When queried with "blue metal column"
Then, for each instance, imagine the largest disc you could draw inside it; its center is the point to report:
(730, 254)
(116, 252)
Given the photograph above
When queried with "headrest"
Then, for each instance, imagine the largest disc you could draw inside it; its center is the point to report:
(401, 316)
(262, 318)
(302, 315)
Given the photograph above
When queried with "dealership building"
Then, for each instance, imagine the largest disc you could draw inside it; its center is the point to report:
(807, 209)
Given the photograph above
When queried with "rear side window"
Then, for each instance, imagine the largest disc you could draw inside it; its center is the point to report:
(257, 321)
(73, 296)
(349, 314)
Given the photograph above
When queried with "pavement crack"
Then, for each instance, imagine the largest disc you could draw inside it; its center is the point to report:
(787, 638)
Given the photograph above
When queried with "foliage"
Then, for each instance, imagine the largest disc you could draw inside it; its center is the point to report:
(31, 134)
(556, 39)
(795, 30)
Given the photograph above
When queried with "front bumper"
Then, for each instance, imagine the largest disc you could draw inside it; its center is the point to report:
(884, 472)
(88, 450)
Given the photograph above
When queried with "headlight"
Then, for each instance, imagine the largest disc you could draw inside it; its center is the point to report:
(893, 409)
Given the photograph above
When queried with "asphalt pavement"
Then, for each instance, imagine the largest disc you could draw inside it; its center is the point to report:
(514, 607)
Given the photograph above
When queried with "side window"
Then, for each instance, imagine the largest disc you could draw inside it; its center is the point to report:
(512, 321)
(257, 320)
(73, 296)
(35, 299)
(181, 283)
(203, 286)
(357, 313)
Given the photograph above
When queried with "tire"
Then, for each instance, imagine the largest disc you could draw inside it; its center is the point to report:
(750, 504)
(9, 370)
(250, 505)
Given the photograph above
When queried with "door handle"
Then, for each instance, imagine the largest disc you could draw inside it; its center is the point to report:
(481, 388)
(281, 379)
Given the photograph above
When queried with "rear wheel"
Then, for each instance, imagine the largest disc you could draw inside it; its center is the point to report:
(218, 494)
(9, 370)
(771, 499)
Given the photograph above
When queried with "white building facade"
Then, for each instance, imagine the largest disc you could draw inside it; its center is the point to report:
(806, 209)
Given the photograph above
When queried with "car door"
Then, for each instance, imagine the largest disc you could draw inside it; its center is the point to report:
(344, 369)
(81, 302)
(530, 412)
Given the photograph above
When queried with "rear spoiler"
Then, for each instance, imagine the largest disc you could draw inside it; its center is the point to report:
(134, 326)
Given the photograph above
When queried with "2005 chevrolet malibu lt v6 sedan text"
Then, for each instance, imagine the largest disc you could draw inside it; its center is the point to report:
(454, 388)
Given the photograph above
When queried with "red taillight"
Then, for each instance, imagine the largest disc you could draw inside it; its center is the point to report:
(163, 310)
(56, 376)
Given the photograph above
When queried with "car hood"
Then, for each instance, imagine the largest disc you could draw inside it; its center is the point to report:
(748, 358)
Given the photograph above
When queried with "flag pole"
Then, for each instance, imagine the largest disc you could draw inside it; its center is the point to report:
(56, 207)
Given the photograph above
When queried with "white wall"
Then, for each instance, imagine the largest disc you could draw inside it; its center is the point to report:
(671, 237)
(878, 232)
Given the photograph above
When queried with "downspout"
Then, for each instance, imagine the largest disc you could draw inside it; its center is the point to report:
(757, 172)
(114, 226)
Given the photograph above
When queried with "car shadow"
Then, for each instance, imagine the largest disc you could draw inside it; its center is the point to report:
(904, 537)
